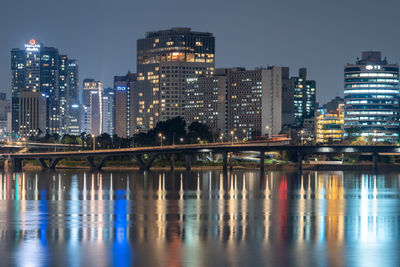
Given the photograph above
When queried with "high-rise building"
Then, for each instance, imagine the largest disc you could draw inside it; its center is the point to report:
(37, 68)
(277, 101)
(206, 102)
(108, 111)
(164, 60)
(92, 107)
(304, 97)
(244, 95)
(73, 106)
(371, 97)
(126, 105)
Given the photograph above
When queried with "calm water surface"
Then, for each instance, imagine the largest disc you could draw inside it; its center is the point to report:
(72, 218)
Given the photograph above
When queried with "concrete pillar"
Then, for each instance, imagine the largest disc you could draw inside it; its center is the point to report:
(171, 162)
(17, 165)
(300, 161)
(262, 161)
(43, 163)
(188, 161)
(90, 160)
(375, 156)
(225, 161)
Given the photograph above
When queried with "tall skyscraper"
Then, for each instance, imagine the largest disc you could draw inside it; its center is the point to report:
(371, 97)
(164, 60)
(108, 111)
(92, 107)
(37, 68)
(126, 105)
(304, 97)
(73, 113)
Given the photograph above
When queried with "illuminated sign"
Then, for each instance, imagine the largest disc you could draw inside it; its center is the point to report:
(370, 67)
(32, 45)
(121, 88)
(75, 106)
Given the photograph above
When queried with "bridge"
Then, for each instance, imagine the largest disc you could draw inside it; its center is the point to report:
(49, 160)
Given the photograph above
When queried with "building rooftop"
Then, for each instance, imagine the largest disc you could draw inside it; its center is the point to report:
(176, 31)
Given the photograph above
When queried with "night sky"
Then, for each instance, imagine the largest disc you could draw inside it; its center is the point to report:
(321, 35)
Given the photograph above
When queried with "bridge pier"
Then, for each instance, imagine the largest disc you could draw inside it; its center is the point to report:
(145, 166)
(188, 162)
(375, 157)
(90, 160)
(17, 165)
(300, 161)
(43, 163)
(262, 161)
(101, 163)
(225, 161)
(53, 163)
(171, 162)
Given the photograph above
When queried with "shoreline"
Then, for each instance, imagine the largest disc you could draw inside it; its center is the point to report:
(267, 167)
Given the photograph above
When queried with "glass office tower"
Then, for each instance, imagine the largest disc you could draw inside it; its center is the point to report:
(371, 96)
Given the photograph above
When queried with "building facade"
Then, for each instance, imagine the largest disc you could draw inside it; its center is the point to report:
(164, 60)
(73, 105)
(32, 111)
(371, 97)
(108, 111)
(304, 97)
(126, 105)
(330, 126)
(92, 111)
(277, 101)
(206, 102)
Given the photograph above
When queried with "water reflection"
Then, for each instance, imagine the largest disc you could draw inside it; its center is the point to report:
(199, 218)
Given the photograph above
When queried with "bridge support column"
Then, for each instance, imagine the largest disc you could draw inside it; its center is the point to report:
(188, 161)
(171, 162)
(90, 160)
(375, 156)
(262, 161)
(43, 163)
(225, 161)
(53, 163)
(300, 161)
(145, 166)
(17, 165)
(101, 163)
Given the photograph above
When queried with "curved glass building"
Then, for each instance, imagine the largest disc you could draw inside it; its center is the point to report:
(371, 97)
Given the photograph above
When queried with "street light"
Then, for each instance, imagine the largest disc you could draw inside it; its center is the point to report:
(181, 140)
(232, 132)
(198, 139)
(302, 136)
(374, 137)
(94, 142)
(267, 128)
(221, 137)
(244, 135)
(161, 137)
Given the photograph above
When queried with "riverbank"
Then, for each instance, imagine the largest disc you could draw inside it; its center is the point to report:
(201, 166)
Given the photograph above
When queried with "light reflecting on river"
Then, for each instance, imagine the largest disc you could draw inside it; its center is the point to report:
(199, 219)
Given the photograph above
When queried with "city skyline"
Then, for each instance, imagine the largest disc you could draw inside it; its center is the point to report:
(322, 44)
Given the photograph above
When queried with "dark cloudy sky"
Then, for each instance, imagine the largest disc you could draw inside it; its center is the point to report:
(321, 35)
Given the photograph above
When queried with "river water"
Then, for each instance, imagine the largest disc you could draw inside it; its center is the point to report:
(199, 218)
